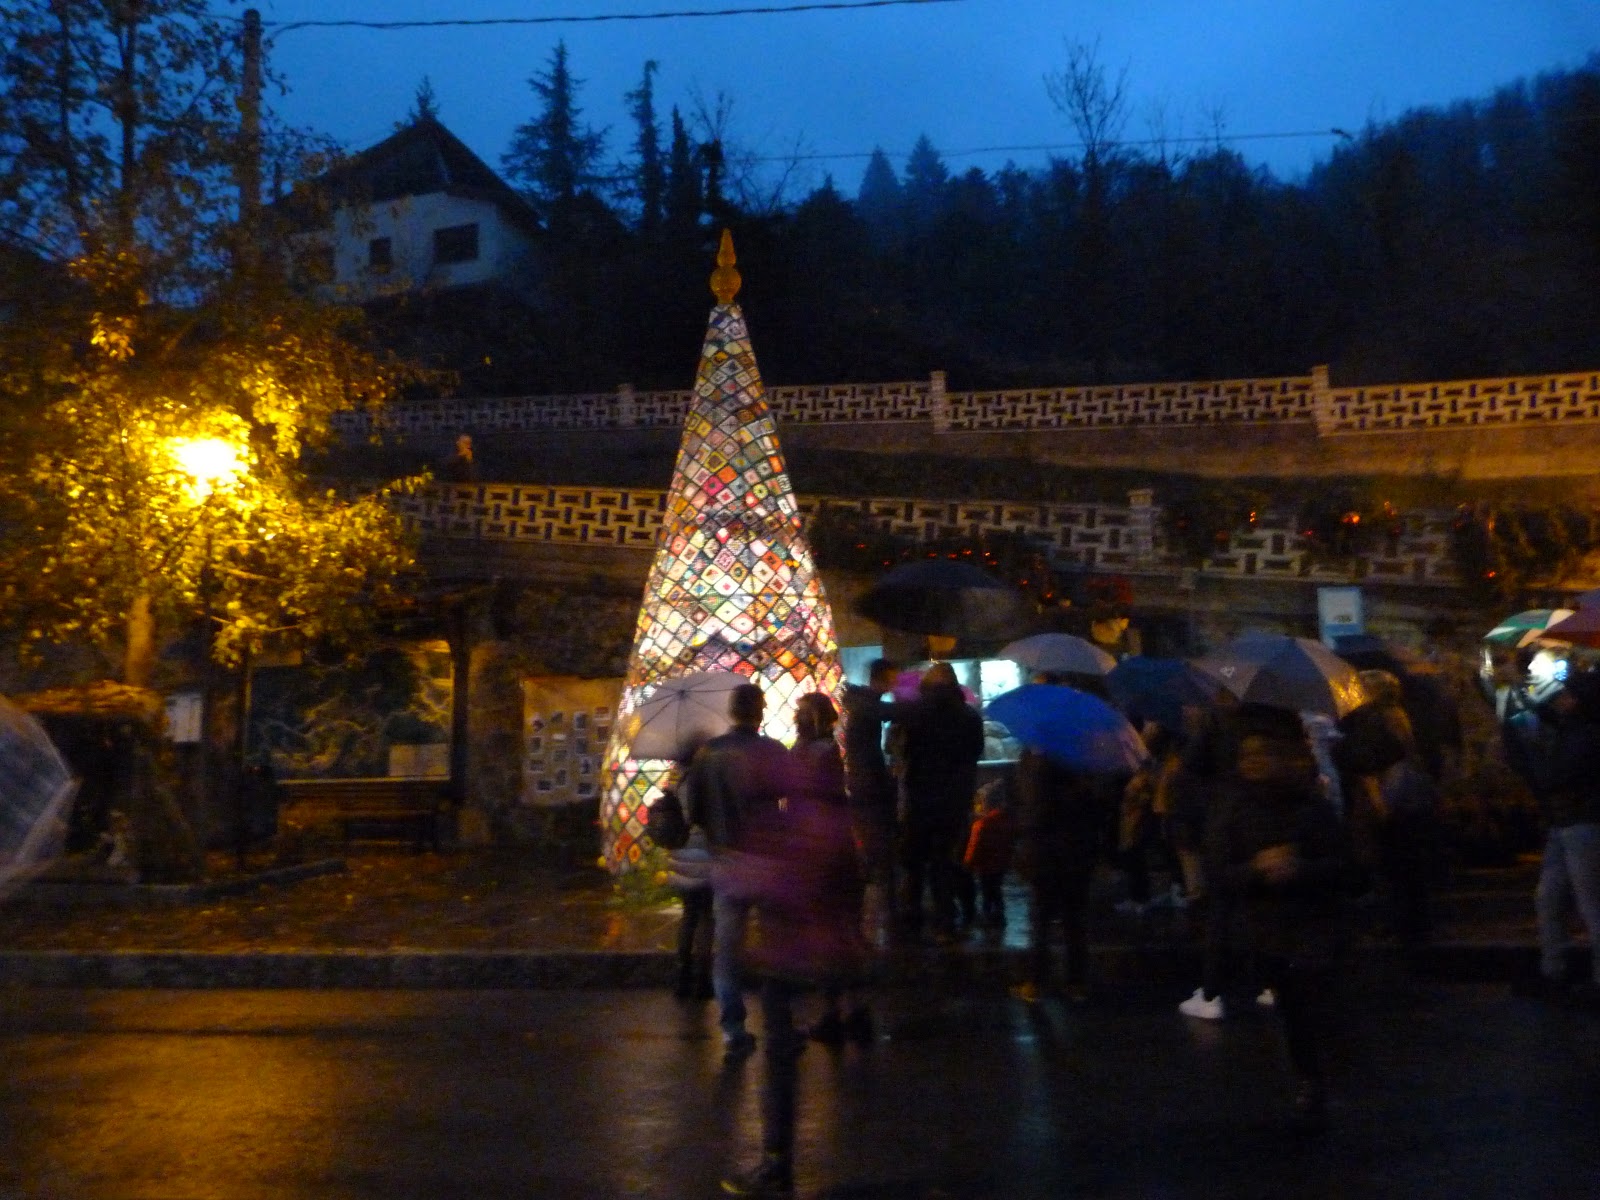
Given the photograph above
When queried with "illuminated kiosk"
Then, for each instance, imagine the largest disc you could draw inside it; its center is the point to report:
(733, 586)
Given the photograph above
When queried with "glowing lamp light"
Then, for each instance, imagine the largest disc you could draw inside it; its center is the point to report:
(210, 464)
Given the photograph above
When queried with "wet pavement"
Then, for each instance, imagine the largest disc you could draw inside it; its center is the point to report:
(477, 900)
(502, 919)
(504, 900)
(1444, 1091)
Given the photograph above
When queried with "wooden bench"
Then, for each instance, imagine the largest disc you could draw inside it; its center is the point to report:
(374, 809)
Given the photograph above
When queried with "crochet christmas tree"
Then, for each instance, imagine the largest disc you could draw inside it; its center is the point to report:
(733, 586)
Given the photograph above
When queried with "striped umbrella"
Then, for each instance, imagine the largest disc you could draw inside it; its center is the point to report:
(1581, 628)
(1521, 628)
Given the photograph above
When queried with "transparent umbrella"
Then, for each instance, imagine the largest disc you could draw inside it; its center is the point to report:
(682, 713)
(36, 792)
(1060, 653)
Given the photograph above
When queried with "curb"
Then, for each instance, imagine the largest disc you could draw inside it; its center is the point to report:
(46, 893)
(981, 968)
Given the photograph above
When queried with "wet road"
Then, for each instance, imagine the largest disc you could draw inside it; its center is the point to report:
(1449, 1091)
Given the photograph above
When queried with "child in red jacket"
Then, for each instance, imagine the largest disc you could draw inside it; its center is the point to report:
(989, 846)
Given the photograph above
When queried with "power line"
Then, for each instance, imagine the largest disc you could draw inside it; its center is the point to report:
(820, 6)
(1342, 135)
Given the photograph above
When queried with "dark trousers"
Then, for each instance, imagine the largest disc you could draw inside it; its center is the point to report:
(1223, 941)
(929, 861)
(1061, 894)
(1305, 1004)
(1406, 860)
(695, 931)
(992, 888)
(873, 827)
(778, 1089)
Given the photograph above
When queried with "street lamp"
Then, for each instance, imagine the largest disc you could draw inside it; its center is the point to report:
(212, 465)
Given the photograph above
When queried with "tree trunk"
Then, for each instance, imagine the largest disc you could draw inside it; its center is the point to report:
(139, 654)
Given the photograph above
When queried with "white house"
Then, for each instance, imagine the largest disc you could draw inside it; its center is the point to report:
(417, 211)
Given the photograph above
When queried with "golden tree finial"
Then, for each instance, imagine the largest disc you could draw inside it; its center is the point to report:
(725, 279)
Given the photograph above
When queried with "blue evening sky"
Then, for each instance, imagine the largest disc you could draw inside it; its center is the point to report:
(967, 73)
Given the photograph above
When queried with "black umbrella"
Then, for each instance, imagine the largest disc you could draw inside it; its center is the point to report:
(949, 598)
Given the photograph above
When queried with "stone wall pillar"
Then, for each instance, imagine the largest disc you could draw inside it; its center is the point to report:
(1142, 517)
(1321, 400)
(494, 740)
(938, 405)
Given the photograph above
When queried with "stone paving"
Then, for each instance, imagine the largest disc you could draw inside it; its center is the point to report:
(504, 900)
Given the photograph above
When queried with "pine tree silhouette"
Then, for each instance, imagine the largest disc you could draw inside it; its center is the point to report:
(733, 586)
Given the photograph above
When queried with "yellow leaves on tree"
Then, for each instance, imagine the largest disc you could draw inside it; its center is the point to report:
(164, 487)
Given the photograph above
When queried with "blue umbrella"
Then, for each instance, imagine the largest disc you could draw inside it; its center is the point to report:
(1159, 689)
(1075, 729)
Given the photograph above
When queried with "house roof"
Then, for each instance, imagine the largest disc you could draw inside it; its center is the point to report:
(417, 159)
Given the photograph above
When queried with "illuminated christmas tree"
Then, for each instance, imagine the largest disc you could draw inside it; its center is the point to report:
(733, 586)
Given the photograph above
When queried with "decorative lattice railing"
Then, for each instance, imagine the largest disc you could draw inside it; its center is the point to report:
(1127, 539)
(1543, 400)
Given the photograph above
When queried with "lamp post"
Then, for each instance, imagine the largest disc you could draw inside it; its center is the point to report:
(211, 465)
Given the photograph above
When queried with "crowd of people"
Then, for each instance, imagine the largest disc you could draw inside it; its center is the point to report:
(1274, 832)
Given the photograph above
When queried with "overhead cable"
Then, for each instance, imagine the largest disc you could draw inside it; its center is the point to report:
(588, 18)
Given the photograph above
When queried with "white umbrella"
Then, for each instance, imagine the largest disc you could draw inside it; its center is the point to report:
(36, 791)
(1058, 653)
(681, 713)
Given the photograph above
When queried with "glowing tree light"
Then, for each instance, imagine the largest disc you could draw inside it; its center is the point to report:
(733, 586)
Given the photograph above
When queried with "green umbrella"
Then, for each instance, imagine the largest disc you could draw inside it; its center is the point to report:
(1521, 628)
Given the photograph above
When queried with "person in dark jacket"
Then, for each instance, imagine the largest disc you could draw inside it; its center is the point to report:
(871, 788)
(1569, 802)
(1062, 814)
(735, 780)
(1281, 851)
(941, 741)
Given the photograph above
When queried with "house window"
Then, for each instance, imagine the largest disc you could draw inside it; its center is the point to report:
(457, 243)
(380, 254)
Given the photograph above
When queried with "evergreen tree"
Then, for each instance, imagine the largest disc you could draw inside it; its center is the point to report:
(926, 182)
(649, 172)
(683, 196)
(880, 200)
(425, 107)
(555, 156)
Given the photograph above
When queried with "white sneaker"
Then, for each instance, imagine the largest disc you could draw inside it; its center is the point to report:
(1266, 999)
(1198, 1006)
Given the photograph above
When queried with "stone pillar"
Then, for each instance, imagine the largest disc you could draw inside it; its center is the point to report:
(627, 416)
(1322, 400)
(494, 739)
(1143, 515)
(938, 406)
